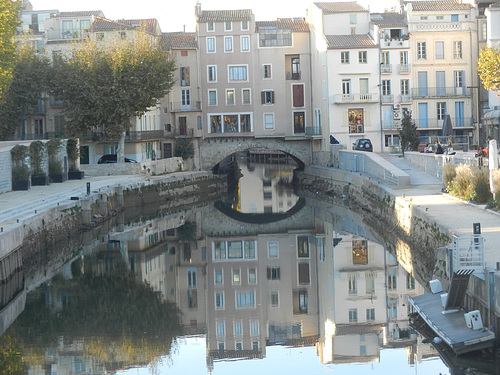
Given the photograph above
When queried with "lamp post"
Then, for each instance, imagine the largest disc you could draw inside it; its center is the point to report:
(477, 114)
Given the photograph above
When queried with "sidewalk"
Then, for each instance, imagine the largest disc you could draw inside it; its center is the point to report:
(425, 193)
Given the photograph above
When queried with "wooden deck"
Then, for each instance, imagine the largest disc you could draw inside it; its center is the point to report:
(451, 326)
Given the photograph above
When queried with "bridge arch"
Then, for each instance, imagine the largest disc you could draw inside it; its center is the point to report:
(213, 150)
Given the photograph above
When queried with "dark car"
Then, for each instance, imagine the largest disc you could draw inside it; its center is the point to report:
(363, 144)
(105, 159)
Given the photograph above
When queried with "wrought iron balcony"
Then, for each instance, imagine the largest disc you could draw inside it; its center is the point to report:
(439, 92)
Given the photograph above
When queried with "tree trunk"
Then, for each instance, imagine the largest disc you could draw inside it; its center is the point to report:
(120, 153)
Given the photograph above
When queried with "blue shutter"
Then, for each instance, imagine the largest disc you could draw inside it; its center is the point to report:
(422, 115)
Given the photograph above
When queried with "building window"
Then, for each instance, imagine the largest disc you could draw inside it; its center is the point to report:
(267, 97)
(300, 302)
(352, 284)
(238, 73)
(346, 87)
(359, 252)
(317, 118)
(392, 308)
(304, 275)
(245, 96)
(272, 249)
(186, 99)
(298, 95)
(458, 79)
(212, 97)
(421, 50)
(344, 57)
(439, 50)
(184, 53)
(218, 276)
(220, 328)
(405, 87)
(273, 273)
(211, 45)
(191, 278)
(440, 110)
(219, 300)
(268, 121)
(185, 80)
(245, 299)
(391, 280)
(245, 43)
(275, 37)
(229, 97)
(356, 120)
(212, 73)
(210, 26)
(303, 246)
(267, 71)
(353, 315)
(236, 276)
(403, 57)
(369, 283)
(296, 68)
(228, 26)
(99, 36)
(228, 44)
(386, 87)
(299, 123)
(410, 281)
(274, 299)
(192, 299)
(254, 327)
(370, 314)
(363, 57)
(244, 25)
(457, 50)
(353, 19)
(238, 328)
(252, 276)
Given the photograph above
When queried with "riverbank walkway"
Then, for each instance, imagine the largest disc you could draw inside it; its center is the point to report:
(425, 192)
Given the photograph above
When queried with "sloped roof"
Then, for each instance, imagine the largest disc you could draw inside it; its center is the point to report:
(178, 40)
(349, 41)
(388, 19)
(81, 13)
(103, 24)
(225, 15)
(432, 6)
(293, 24)
(341, 7)
(150, 25)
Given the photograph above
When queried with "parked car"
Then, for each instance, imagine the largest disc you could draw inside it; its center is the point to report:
(363, 144)
(111, 158)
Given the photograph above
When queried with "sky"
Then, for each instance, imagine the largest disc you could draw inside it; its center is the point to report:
(182, 18)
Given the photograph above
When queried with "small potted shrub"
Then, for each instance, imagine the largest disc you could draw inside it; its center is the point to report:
(37, 155)
(55, 165)
(73, 150)
(20, 168)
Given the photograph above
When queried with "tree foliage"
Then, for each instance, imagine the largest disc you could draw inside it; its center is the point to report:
(105, 85)
(184, 148)
(408, 134)
(488, 66)
(29, 81)
(9, 19)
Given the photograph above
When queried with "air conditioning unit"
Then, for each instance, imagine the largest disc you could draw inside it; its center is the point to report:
(396, 115)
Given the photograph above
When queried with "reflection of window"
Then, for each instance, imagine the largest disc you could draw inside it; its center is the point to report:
(230, 97)
(219, 328)
(303, 246)
(359, 252)
(441, 110)
(236, 276)
(439, 50)
(191, 278)
(370, 283)
(300, 302)
(212, 97)
(228, 26)
(353, 315)
(238, 328)
(410, 281)
(344, 57)
(228, 44)
(244, 25)
(245, 95)
(252, 276)
(304, 278)
(267, 97)
(235, 250)
(363, 57)
(192, 299)
(352, 284)
(274, 299)
(254, 327)
(245, 299)
(392, 308)
(238, 73)
(356, 121)
(267, 71)
(457, 50)
(273, 273)
(212, 73)
(405, 87)
(272, 248)
(185, 80)
(268, 121)
(245, 43)
(421, 50)
(386, 87)
(298, 95)
(391, 280)
(211, 45)
(219, 300)
(210, 26)
(218, 278)
(370, 314)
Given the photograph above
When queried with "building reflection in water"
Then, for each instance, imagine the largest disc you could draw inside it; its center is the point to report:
(303, 281)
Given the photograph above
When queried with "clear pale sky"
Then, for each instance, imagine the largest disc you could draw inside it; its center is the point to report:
(174, 15)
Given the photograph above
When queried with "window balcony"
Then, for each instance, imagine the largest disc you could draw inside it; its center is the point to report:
(404, 68)
(313, 130)
(185, 107)
(355, 98)
(434, 123)
(292, 76)
(144, 135)
(391, 125)
(387, 98)
(405, 99)
(385, 68)
(394, 43)
(67, 34)
(440, 92)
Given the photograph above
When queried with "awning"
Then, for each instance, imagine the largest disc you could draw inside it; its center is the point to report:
(492, 117)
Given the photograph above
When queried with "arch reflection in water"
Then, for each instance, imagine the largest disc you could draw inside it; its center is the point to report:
(247, 288)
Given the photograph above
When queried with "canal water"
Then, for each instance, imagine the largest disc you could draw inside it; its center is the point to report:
(263, 281)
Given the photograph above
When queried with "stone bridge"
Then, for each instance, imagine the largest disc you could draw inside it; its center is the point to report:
(213, 150)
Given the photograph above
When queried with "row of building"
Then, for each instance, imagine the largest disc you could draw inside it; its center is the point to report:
(339, 70)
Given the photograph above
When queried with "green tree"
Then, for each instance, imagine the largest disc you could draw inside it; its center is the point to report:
(408, 134)
(184, 148)
(29, 81)
(103, 85)
(488, 66)
(9, 19)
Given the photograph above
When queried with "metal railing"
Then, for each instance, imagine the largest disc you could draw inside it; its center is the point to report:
(183, 107)
(292, 76)
(359, 98)
(313, 130)
(468, 252)
(434, 123)
(144, 135)
(444, 92)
